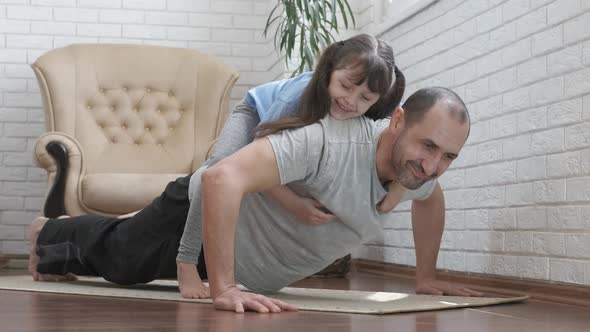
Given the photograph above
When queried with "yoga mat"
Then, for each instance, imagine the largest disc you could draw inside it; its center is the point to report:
(344, 301)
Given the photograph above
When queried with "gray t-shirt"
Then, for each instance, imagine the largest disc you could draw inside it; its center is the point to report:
(334, 162)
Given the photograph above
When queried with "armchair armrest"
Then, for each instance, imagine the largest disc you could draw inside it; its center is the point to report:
(61, 156)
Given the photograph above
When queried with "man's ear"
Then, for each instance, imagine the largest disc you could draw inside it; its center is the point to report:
(398, 119)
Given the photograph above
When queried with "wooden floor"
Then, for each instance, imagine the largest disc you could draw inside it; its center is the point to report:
(27, 311)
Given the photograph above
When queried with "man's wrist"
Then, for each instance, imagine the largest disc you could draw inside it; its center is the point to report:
(221, 289)
(422, 275)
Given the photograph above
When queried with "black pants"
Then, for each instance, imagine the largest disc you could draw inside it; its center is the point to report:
(124, 251)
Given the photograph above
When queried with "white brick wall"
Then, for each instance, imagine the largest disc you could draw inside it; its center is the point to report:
(518, 197)
(231, 30)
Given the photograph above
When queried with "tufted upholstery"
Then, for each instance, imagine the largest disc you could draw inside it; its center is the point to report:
(132, 117)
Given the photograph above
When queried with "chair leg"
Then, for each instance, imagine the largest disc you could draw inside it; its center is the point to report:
(54, 205)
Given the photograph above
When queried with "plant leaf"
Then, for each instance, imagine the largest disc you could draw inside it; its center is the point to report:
(306, 27)
(268, 20)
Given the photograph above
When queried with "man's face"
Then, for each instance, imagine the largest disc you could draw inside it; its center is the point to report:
(348, 100)
(425, 150)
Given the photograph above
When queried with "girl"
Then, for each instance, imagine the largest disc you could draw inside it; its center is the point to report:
(353, 78)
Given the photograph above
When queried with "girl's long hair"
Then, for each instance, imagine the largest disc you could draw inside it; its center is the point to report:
(370, 59)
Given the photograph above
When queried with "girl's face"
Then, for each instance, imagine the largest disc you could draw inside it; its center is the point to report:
(349, 100)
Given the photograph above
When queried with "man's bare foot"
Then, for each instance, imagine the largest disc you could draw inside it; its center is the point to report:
(189, 283)
(35, 229)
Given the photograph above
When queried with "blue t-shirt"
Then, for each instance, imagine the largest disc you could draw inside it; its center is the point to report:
(275, 99)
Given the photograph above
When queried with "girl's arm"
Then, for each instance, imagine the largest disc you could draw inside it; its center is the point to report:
(307, 210)
(394, 195)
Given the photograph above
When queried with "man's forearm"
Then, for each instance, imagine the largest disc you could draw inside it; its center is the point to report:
(220, 205)
(428, 220)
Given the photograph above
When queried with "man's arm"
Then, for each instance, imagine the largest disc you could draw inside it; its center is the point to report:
(428, 221)
(251, 169)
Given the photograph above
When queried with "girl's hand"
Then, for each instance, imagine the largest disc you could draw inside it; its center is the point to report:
(391, 200)
(309, 211)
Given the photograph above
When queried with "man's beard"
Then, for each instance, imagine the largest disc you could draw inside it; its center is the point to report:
(402, 171)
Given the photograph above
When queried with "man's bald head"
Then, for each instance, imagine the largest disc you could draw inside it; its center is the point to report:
(423, 100)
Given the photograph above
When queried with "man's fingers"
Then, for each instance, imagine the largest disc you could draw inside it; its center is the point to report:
(265, 304)
(435, 291)
(429, 290)
(239, 302)
(465, 292)
(255, 305)
(239, 307)
(472, 292)
(457, 292)
(461, 291)
(270, 305)
(444, 288)
(284, 305)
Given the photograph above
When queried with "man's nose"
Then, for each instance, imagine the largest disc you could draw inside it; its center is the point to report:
(431, 164)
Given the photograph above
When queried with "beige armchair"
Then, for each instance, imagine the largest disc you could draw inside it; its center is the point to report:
(124, 120)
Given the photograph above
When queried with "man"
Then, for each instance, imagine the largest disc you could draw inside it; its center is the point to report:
(343, 164)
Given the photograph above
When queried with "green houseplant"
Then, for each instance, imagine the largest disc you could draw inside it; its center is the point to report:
(305, 27)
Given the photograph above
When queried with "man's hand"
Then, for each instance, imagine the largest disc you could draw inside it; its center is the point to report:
(308, 211)
(234, 299)
(437, 287)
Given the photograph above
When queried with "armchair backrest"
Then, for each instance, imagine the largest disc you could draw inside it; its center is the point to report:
(135, 108)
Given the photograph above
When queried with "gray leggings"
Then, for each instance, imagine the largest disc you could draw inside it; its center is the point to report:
(237, 132)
